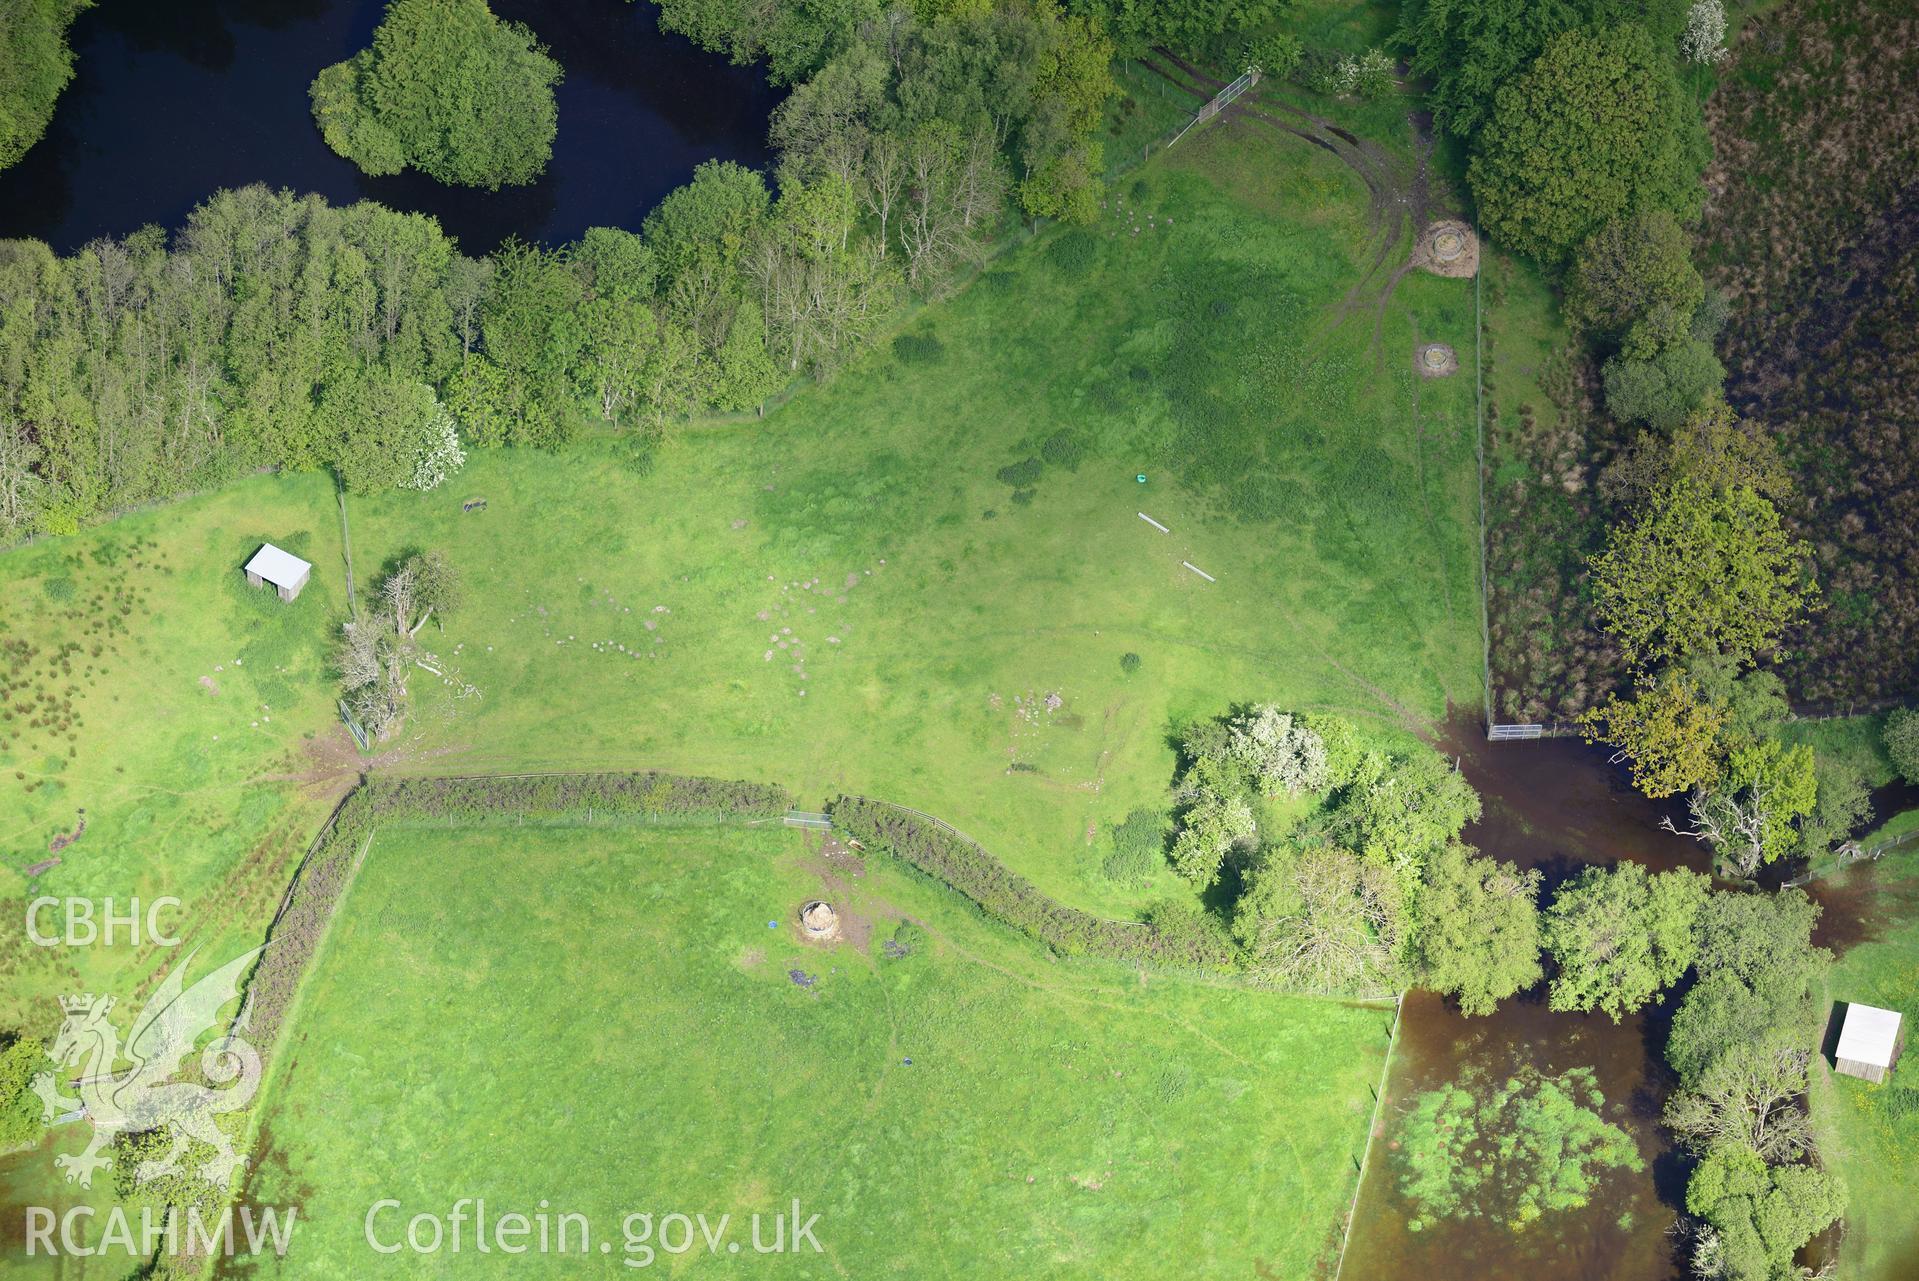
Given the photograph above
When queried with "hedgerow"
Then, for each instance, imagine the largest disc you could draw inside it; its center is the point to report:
(323, 877)
(1011, 899)
(648, 795)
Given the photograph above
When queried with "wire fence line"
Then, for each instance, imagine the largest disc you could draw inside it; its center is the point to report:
(1854, 852)
(1372, 1126)
(1479, 424)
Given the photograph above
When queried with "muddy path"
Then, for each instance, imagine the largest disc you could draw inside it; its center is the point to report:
(1400, 199)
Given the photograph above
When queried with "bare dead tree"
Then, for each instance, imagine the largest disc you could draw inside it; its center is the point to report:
(1734, 825)
(1750, 1098)
(883, 177)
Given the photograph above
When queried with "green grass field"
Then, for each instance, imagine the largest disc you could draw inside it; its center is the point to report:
(188, 716)
(1870, 1133)
(600, 1021)
(930, 603)
(1860, 740)
(849, 596)
(875, 590)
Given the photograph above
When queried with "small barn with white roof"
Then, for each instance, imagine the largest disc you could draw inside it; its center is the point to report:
(1869, 1042)
(284, 571)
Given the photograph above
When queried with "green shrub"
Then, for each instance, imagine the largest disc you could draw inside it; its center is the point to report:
(1129, 662)
(909, 939)
(1021, 474)
(1073, 253)
(1064, 448)
(1191, 942)
(58, 590)
(1139, 848)
(1371, 75)
(1902, 743)
(21, 1120)
(918, 349)
(1320, 71)
(1276, 55)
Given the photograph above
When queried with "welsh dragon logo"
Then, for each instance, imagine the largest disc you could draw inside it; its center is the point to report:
(132, 1090)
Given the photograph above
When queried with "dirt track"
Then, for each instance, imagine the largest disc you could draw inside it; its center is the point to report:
(1399, 195)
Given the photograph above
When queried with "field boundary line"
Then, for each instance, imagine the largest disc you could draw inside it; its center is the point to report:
(1372, 1123)
(1479, 433)
(258, 1111)
(954, 832)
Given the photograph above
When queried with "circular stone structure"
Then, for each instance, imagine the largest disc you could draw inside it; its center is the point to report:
(818, 920)
(1436, 360)
(1448, 248)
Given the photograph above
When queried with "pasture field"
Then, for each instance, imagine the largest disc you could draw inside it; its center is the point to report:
(599, 1020)
(165, 730)
(916, 581)
(1870, 1133)
(942, 537)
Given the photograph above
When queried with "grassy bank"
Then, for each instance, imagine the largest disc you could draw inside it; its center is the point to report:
(1870, 1133)
(970, 1102)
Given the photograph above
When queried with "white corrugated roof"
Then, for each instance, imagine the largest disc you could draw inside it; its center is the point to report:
(282, 569)
(1869, 1035)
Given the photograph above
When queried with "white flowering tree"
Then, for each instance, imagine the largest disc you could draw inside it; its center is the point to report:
(1280, 753)
(440, 452)
(1704, 40)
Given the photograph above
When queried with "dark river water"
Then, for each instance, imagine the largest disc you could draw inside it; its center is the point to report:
(172, 99)
(1557, 805)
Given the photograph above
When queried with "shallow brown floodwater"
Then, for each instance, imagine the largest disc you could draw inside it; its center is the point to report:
(1558, 805)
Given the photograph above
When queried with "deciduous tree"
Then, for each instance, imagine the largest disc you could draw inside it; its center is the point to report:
(1210, 829)
(1322, 920)
(1759, 1215)
(1701, 570)
(1477, 934)
(1469, 48)
(1627, 268)
(1619, 936)
(1402, 810)
(1749, 814)
(1758, 971)
(446, 88)
(1595, 129)
(35, 65)
(1668, 732)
